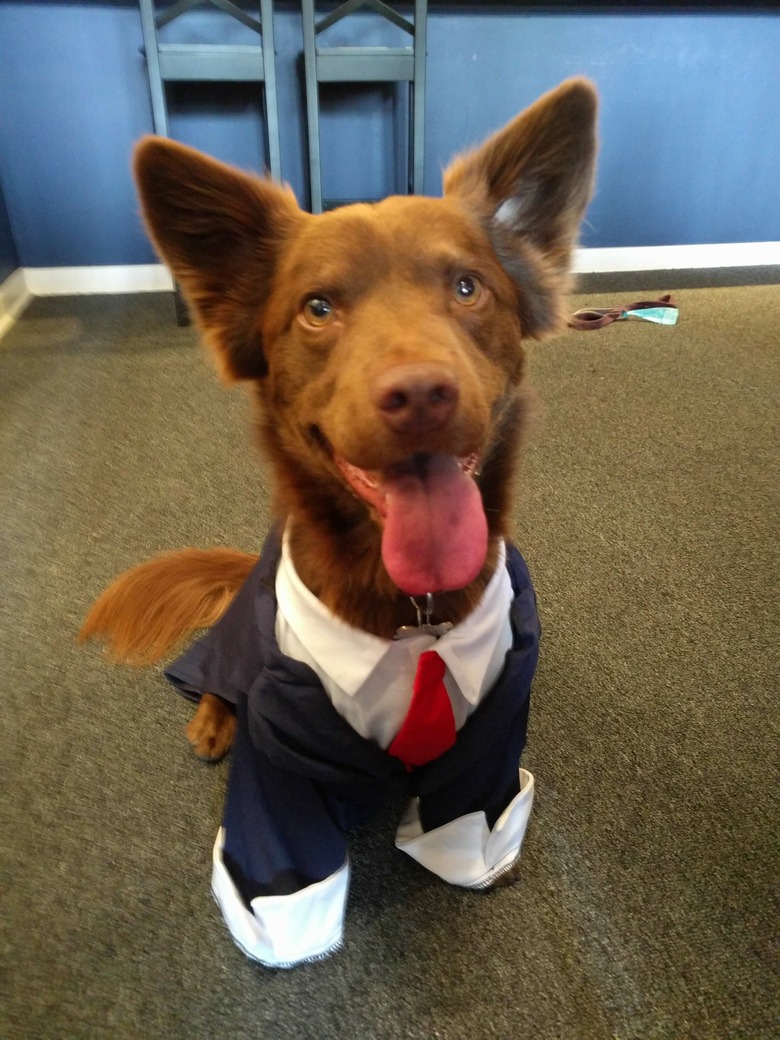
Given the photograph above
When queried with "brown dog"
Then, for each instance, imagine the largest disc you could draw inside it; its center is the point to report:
(382, 344)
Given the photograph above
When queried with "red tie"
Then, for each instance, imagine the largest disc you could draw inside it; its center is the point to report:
(429, 727)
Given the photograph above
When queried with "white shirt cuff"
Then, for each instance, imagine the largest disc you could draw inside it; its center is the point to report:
(283, 931)
(465, 851)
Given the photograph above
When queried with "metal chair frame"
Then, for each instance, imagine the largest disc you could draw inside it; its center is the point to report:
(365, 65)
(215, 63)
(201, 62)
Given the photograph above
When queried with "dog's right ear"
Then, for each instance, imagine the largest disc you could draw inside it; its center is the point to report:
(220, 231)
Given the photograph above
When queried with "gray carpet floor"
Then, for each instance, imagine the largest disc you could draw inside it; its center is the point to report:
(647, 511)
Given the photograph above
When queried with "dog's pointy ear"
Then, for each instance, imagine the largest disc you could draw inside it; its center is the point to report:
(529, 185)
(220, 232)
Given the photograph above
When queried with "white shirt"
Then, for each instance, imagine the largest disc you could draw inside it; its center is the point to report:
(369, 680)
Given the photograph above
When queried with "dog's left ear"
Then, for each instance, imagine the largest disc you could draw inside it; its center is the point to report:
(529, 185)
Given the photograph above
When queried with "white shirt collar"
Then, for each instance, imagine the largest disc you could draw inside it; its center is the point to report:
(349, 655)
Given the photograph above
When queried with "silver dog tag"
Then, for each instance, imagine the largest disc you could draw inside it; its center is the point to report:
(423, 626)
(423, 630)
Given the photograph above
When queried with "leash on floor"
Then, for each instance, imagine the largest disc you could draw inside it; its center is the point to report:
(662, 311)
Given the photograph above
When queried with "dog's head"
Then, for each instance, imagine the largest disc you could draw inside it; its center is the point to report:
(385, 339)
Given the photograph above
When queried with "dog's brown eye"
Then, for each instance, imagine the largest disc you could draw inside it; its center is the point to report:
(317, 311)
(467, 289)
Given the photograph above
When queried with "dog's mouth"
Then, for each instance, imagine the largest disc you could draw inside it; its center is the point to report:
(434, 530)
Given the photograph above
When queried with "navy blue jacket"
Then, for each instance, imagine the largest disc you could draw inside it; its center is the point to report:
(293, 726)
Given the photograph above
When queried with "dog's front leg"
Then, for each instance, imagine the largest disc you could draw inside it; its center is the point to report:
(212, 728)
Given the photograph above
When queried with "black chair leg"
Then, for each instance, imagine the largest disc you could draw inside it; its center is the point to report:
(180, 305)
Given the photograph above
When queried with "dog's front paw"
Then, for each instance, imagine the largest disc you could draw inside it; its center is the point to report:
(212, 728)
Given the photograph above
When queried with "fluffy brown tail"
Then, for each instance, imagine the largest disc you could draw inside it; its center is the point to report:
(149, 610)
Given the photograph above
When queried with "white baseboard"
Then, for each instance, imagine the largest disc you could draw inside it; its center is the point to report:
(671, 258)
(133, 278)
(73, 281)
(14, 297)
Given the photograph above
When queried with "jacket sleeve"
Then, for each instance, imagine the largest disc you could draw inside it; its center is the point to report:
(228, 659)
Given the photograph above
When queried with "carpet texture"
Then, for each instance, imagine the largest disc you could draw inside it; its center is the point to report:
(647, 511)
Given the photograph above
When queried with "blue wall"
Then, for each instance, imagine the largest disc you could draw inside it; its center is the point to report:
(690, 129)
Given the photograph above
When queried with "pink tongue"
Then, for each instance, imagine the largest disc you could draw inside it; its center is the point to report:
(435, 531)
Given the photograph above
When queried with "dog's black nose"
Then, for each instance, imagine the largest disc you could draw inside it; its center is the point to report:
(416, 398)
